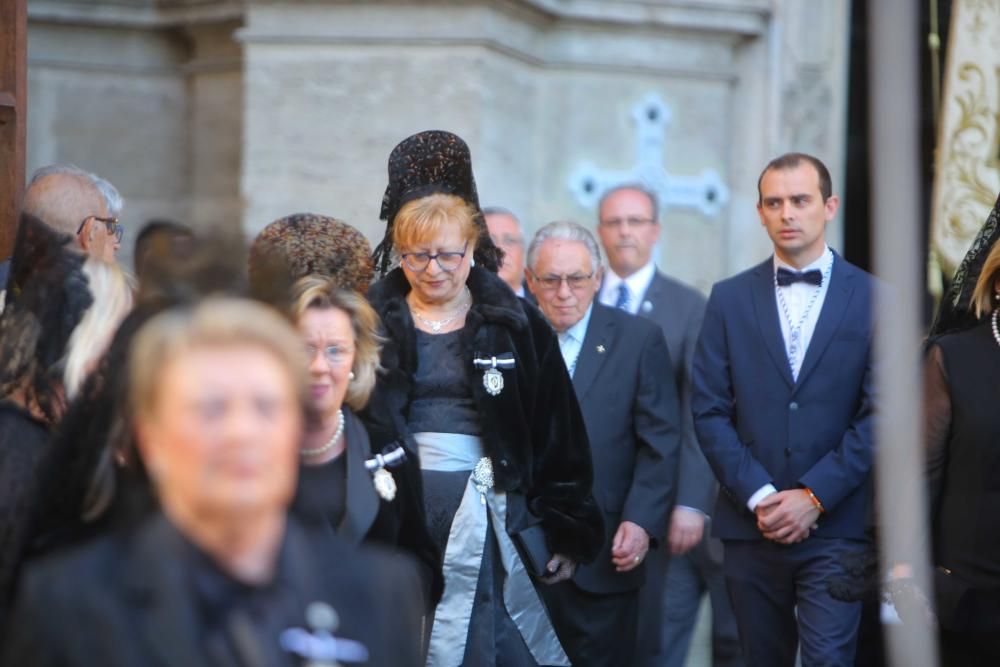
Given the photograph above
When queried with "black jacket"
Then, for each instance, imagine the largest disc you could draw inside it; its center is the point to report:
(397, 524)
(130, 598)
(634, 427)
(532, 430)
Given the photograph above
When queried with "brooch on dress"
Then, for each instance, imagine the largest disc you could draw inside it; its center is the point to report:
(319, 646)
(482, 477)
(385, 485)
(492, 377)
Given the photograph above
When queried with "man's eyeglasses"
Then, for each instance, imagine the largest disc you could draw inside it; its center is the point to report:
(113, 227)
(508, 240)
(631, 221)
(448, 261)
(574, 281)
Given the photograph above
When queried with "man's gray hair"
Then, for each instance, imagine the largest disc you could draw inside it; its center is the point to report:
(60, 168)
(654, 199)
(565, 230)
(502, 210)
(113, 200)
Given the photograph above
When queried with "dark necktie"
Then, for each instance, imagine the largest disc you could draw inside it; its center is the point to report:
(786, 277)
(623, 297)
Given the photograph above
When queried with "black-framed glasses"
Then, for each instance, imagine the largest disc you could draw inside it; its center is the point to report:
(630, 221)
(113, 227)
(448, 261)
(574, 281)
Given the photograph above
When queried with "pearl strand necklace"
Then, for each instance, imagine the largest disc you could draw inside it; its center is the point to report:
(316, 451)
(996, 329)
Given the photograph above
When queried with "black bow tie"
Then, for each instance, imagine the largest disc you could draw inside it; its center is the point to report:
(786, 277)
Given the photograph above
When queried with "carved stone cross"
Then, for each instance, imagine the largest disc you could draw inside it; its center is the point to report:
(705, 193)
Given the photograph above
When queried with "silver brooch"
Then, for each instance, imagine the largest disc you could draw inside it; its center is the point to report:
(492, 377)
(601, 349)
(482, 477)
(493, 381)
(385, 485)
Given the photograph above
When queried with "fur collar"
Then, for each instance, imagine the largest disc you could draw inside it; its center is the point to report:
(492, 298)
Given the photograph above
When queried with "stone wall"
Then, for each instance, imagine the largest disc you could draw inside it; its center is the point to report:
(238, 113)
(146, 94)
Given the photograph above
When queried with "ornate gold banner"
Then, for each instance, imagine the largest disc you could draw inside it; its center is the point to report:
(967, 177)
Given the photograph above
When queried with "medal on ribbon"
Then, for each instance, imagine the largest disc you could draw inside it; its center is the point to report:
(385, 484)
(492, 377)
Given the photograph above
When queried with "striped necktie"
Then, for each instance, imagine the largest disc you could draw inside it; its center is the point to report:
(623, 297)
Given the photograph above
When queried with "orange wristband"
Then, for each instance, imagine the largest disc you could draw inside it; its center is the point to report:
(816, 502)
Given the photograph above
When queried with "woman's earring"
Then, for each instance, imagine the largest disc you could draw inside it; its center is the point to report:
(350, 376)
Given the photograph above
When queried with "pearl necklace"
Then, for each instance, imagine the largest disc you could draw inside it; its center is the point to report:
(436, 325)
(996, 329)
(316, 451)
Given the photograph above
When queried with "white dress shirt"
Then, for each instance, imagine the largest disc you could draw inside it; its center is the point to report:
(637, 285)
(797, 298)
(571, 340)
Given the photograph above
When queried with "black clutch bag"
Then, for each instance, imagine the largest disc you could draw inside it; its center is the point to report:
(534, 552)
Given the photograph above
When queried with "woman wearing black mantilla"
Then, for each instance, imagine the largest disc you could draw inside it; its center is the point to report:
(474, 377)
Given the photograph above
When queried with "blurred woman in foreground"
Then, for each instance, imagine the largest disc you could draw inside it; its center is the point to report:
(219, 574)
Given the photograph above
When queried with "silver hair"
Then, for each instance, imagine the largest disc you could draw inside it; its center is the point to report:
(113, 200)
(654, 199)
(59, 168)
(565, 230)
(502, 210)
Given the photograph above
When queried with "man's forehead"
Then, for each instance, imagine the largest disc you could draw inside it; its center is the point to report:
(560, 254)
(502, 220)
(800, 180)
(628, 198)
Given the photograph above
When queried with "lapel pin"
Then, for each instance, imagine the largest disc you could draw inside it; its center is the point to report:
(647, 307)
(600, 349)
(320, 647)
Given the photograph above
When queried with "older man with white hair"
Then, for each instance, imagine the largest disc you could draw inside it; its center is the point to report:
(79, 204)
(622, 375)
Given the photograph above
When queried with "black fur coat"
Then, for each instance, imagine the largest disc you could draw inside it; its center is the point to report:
(532, 430)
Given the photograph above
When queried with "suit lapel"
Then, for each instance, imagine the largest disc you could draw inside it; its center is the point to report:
(362, 503)
(600, 331)
(838, 296)
(766, 308)
(155, 578)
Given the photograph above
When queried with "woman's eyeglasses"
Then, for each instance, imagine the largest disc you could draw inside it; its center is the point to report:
(335, 355)
(448, 261)
(113, 227)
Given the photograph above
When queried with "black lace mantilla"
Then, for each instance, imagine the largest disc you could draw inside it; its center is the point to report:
(955, 312)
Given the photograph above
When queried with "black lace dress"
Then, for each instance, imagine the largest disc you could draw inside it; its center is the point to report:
(442, 403)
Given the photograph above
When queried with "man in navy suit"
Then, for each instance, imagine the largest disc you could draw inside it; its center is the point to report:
(677, 577)
(783, 408)
(622, 377)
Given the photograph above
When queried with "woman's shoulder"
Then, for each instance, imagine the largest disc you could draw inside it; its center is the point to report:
(981, 334)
